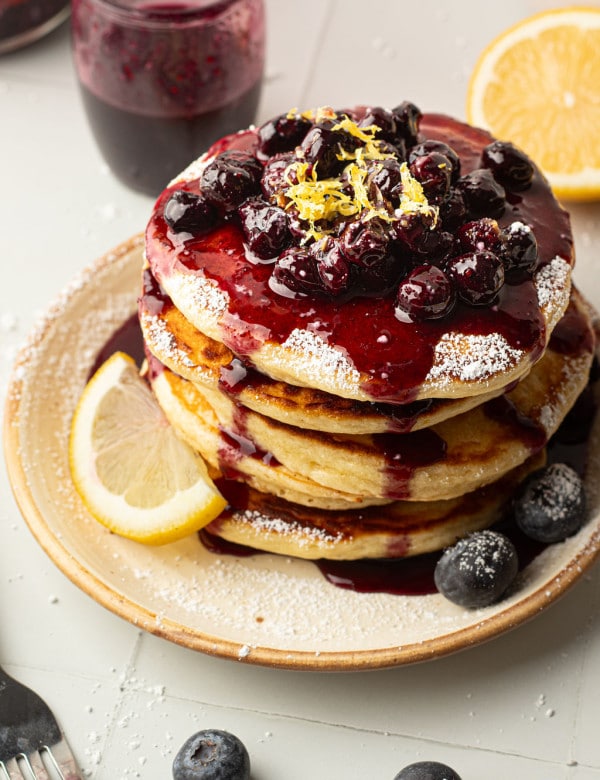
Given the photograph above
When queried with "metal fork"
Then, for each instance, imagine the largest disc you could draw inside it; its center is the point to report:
(29, 733)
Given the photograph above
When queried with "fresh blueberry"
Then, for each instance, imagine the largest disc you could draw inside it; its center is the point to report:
(427, 770)
(212, 755)
(189, 212)
(478, 570)
(552, 504)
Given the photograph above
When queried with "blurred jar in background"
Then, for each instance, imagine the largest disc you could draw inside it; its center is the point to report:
(24, 21)
(163, 79)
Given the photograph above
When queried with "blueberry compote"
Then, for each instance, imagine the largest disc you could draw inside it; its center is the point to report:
(346, 229)
(161, 79)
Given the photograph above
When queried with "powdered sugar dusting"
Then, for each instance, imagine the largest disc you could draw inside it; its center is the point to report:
(163, 341)
(315, 359)
(472, 358)
(552, 284)
(199, 293)
(303, 535)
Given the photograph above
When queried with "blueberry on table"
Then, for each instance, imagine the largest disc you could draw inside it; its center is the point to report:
(478, 570)
(427, 770)
(212, 755)
(552, 504)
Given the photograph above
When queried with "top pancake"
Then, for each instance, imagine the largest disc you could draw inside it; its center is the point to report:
(358, 349)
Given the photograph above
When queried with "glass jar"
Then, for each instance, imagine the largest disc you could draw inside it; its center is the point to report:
(162, 79)
(24, 21)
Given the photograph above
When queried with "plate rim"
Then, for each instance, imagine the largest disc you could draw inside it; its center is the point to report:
(487, 628)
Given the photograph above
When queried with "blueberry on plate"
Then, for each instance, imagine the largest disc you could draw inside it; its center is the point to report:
(552, 504)
(212, 755)
(478, 570)
(427, 770)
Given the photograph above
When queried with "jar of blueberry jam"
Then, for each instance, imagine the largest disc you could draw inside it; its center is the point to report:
(161, 80)
(24, 21)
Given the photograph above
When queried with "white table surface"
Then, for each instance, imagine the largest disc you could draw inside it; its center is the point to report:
(525, 705)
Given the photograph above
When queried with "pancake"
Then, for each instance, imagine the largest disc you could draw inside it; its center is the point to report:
(360, 350)
(397, 530)
(453, 457)
(177, 344)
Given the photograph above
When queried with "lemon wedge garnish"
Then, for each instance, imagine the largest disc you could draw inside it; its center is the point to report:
(132, 471)
(538, 85)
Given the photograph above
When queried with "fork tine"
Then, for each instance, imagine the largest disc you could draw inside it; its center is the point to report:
(34, 763)
(63, 759)
(13, 770)
(4, 772)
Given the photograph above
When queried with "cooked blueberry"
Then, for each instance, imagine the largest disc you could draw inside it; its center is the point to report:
(332, 266)
(282, 134)
(436, 246)
(431, 145)
(509, 165)
(519, 247)
(453, 210)
(189, 212)
(277, 176)
(425, 294)
(410, 228)
(380, 277)
(427, 770)
(552, 504)
(212, 755)
(478, 570)
(407, 117)
(479, 234)
(477, 276)
(433, 171)
(365, 242)
(230, 178)
(295, 274)
(383, 119)
(265, 228)
(321, 147)
(484, 196)
(385, 179)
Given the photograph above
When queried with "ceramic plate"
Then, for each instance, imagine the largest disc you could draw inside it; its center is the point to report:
(261, 609)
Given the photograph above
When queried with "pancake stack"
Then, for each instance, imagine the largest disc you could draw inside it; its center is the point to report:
(365, 323)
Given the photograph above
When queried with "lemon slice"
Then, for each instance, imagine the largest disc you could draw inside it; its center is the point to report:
(132, 471)
(538, 85)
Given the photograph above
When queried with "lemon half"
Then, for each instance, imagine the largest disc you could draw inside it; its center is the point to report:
(538, 85)
(132, 471)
